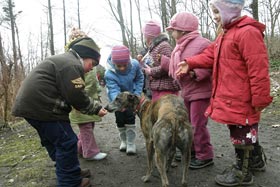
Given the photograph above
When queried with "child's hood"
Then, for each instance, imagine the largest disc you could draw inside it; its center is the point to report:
(250, 21)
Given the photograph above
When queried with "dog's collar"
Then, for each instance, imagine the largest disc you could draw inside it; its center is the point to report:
(142, 101)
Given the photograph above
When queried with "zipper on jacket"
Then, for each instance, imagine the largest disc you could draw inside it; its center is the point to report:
(217, 62)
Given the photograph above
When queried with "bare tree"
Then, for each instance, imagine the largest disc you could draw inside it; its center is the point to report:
(51, 28)
(130, 34)
(118, 15)
(173, 8)
(164, 14)
(64, 23)
(10, 17)
(19, 52)
(255, 9)
(150, 10)
(41, 42)
(270, 15)
(11, 72)
(5, 78)
(34, 54)
(274, 11)
(137, 3)
(208, 23)
(79, 18)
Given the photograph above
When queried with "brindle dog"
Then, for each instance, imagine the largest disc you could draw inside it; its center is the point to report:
(165, 126)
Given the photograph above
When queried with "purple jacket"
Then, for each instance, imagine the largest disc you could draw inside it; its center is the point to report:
(159, 79)
(199, 86)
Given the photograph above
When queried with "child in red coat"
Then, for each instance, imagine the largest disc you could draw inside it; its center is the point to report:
(241, 86)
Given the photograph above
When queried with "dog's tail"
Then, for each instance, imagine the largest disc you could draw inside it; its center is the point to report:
(174, 129)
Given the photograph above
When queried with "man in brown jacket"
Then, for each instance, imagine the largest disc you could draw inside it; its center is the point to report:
(45, 99)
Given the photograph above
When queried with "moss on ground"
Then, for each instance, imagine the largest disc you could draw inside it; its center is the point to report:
(272, 112)
(23, 161)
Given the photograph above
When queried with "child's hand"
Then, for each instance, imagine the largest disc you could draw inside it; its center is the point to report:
(147, 70)
(259, 109)
(192, 74)
(183, 69)
(158, 57)
(102, 112)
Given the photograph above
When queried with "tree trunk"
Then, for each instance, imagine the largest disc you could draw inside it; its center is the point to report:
(122, 25)
(79, 18)
(41, 43)
(19, 53)
(164, 18)
(5, 82)
(12, 22)
(150, 10)
(119, 18)
(64, 23)
(255, 10)
(140, 22)
(131, 34)
(51, 28)
(173, 8)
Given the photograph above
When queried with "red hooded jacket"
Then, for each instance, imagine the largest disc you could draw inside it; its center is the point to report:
(240, 73)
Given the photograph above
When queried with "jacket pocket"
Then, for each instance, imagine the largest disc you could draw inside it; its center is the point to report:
(61, 107)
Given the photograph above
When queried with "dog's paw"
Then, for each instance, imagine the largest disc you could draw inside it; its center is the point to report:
(145, 178)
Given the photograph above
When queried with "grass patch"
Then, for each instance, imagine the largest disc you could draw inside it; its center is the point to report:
(273, 109)
(23, 161)
(275, 64)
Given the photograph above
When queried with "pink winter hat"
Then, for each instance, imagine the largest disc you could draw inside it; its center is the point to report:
(229, 9)
(120, 54)
(183, 21)
(151, 29)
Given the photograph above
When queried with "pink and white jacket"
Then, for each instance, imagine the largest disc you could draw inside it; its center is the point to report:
(195, 88)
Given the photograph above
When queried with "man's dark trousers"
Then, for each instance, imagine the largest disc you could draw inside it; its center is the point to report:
(60, 141)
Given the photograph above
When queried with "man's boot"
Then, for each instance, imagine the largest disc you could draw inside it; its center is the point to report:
(257, 160)
(122, 136)
(239, 173)
(130, 139)
(85, 182)
(85, 173)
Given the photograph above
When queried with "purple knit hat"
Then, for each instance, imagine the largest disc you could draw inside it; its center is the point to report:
(183, 21)
(229, 9)
(151, 29)
(120, 54)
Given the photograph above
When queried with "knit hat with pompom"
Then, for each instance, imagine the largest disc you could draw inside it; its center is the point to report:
(83, 45)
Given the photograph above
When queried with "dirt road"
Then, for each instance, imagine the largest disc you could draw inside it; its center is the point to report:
(24, 163)
(126, 171)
